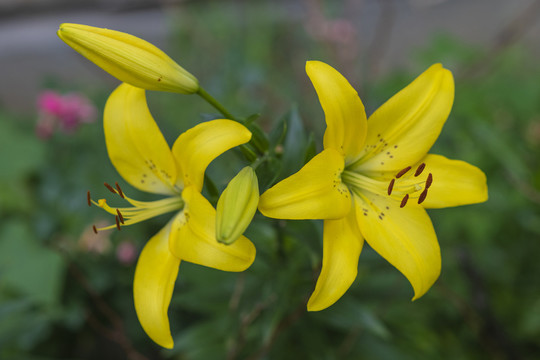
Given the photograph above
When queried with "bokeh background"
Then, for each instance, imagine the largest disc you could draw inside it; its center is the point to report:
(65, 293)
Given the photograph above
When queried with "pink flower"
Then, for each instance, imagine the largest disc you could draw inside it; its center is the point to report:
(64, 111)
(126, 252)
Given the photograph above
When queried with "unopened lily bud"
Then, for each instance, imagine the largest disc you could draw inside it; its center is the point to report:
(236, 206)
(129, 59)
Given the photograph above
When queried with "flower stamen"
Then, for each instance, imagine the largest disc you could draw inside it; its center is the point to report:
(119, 190)
(420, 169)
(117, 223)
(120, 216)
(429, 181)
(110, 188)
(94, 228)
(138, 211)
(403, 172)
(423, 196)
(391, 186)
(404, 201)
(88, 198)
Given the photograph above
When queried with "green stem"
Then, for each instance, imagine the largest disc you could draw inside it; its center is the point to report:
(216, 104)
(247, 150)
(258, 161)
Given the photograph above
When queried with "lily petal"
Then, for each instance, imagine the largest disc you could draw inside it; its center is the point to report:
(404, 128)
(314, 192)
(153, 285)
(403, 236)
(193, 237)
(455, 183)
(195, 149)
(136, 147)
(342, 242)
(346, 123)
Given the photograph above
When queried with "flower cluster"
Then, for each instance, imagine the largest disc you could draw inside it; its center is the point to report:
(66, 112)
(372, 181)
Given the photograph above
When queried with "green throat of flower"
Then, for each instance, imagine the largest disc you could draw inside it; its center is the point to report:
(138, 211)
(405, 185)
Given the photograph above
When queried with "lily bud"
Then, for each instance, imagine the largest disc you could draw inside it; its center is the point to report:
(236, 206)
(129, 59)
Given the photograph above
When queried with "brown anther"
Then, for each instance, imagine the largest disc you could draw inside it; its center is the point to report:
(422, 196)
(391, 186)
(110, 188)
(120, 216)
(94, 228)
(420, 169)
(117, 223)
(404, 201)
(403, 172)
(429, 181)
(88, 198)
(119, 190)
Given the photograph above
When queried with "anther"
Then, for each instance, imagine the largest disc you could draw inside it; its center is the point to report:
(88, 198)
(117, 223)
(420, 169)
(422, 196)
(119, 190)
(94, 228)
(120, 216)
(429, 180)
(403, 172)
(110, 188)
(404, 201)
(391, 186)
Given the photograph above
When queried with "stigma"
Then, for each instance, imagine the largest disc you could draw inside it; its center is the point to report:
(137, 212)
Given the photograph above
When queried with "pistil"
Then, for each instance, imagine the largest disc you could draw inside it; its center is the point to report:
(138, 211)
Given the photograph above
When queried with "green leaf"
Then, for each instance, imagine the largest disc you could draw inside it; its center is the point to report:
(20, 152)
(27, 267)
(294, 144)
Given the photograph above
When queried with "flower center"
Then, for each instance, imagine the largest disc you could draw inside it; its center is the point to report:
(405, 185)
(138, 211)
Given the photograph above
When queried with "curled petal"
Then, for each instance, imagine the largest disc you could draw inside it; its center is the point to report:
(193, 237)
(403, 236)
(155, 277)
(314, 192)
(342, 241)
(455, 183)
(135, 144)
(346, 124)
(404, 128)
(195, 149)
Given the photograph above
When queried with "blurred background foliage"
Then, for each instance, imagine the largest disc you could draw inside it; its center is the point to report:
(67, 293)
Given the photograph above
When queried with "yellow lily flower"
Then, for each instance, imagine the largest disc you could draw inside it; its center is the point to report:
(129, 58)
(374, 179)
(141, 155)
